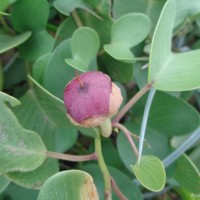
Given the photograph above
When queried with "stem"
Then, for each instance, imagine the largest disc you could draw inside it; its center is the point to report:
(102, 51)
(79, 80)
(77, 19)
(103, 167)
(52, 28)
(117, 190)
(144, 121)
(131, 102)
(182, 148)
(71, 158)
(128, 135)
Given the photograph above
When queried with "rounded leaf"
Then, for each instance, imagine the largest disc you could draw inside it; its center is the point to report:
(68, 185)
(24, 148)
(8, 42)
(30, 15)
(150, 172)
(82, 39)
(128, 31)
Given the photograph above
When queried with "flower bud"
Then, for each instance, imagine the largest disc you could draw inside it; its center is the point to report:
(91, 99)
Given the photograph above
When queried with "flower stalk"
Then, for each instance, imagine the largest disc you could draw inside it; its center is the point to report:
(103, 167)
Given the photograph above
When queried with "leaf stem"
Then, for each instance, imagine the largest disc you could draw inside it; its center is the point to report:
(128, 135)
(131, 102)
(117, 190)
(71, 158)
(77, 19)
(103, 167)
(144, 121)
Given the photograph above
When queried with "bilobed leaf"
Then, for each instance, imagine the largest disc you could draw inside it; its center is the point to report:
(187, 175)
(20, 149)
(150, 8)
(150, 172)
(8, 42)
(67, 6)
(128, 31)
(84, 45)
(68, 185)
(181, 72)
(168, 71)
(28, 15)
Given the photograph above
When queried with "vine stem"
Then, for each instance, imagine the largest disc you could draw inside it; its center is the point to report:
(131, 102)
(144, 121)
(77, 19)
(71, 158)
(128, 135)
(103, 167)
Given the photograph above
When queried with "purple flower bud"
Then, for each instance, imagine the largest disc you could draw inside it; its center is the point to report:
(91, 98)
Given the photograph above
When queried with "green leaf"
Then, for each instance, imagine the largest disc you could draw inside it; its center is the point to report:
(152, 145)
(57, 73)
(150, 8)
(150, 172)
(83, 38)
(20, 149)
(47, 115)
(36, 178)
(3, 183)
(126, 185)
(9, 99)
(168, 115)
(185, 10)
(68, 6)
(71, 184)
(65, 30)
(15, 192)
(39, 44)
(28, 15)
(104, 8)
(168, 71)
(187, 175)
(39, 67)
(65, 138)
(118, 71)
(1, 77)
(5, 4)
(9, 42)
(102, 27)
(128, 31)
(194, 156)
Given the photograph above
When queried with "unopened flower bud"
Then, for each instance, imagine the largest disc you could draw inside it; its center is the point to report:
(91, 99)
